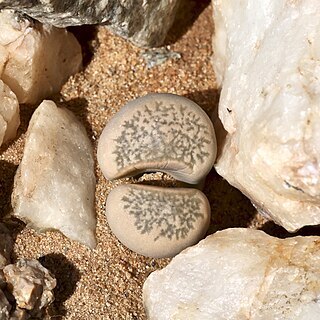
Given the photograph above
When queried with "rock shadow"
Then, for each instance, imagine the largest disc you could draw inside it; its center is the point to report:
(275, 230)
(229, 207)
(67, 276)
(79, 107)
(208, 100)
(87, 37)
(187, 13)
(7, 172)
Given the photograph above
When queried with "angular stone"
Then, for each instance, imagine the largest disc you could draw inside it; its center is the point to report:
(145, 23)
(9, 113)
(55, 182)
(158, 132)
(35, 59)
(239, 274)
(157, 222)
(31, 285)
(5, 307)
(6, 247)
(267, 59)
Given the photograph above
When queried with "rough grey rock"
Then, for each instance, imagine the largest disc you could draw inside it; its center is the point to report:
(55, 183)
(144, 22)
(35, 59)
(267, 59)
(157, 56)
(158, 132)
(157, 222)
(9, 113)
(239, 274)
(31, 285)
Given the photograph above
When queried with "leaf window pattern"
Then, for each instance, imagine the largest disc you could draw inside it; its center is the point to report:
(171, 215)
(163, 132)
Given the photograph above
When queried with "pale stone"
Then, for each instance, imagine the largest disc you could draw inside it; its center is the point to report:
(145, 23)
(158, 132)
(55, 182)
(31, 285)
(157, 222)
(267, 59)
(239, 274)
(35, 59)
(9, 114)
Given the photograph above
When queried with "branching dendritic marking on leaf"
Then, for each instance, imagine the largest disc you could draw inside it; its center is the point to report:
(145, 136)
(173, 214)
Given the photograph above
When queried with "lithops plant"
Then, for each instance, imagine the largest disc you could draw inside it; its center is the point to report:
(157, 222)
(158, 132)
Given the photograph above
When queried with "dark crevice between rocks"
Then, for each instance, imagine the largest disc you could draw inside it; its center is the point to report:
(7, 172)
(15, 226)
(187, 13)
(229, 207)
(275, 230)
(87, 37)
(67, 276)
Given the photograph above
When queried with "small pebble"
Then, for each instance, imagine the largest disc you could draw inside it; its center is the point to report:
(157, 222)
(31, 285)
(158, 132)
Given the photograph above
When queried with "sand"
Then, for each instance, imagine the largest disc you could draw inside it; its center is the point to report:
(106, 283)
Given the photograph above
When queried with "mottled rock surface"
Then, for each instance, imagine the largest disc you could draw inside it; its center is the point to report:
(35, 59)
(144, 22)
(157, 222)
(239, 274)
(267, 59)
(158, 132)
(31, 285)
(55, 182)
(9, 113)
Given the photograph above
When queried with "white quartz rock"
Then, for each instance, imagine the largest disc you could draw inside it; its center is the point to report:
(267, 59)
(239, 274)
(55, 182)
(35, 59)
(9, 113)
